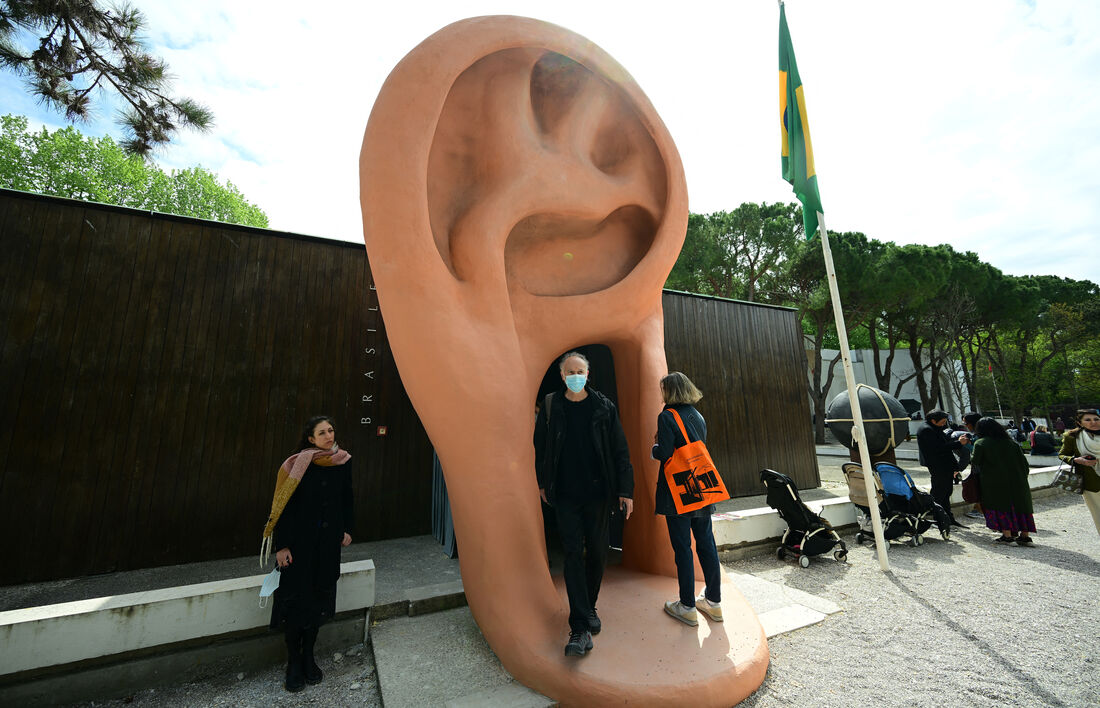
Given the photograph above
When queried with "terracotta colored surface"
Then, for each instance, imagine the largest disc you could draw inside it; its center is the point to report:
(521, 197)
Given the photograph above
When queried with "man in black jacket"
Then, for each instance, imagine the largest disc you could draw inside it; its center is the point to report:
(936, 453)
(583, 464)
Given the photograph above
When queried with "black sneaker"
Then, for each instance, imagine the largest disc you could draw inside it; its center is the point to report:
(580, 643)
(594, 624)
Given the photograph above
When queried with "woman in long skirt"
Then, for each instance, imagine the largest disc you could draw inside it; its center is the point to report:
(1006, 494)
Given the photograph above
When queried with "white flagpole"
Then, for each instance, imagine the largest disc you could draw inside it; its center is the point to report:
(853, 399)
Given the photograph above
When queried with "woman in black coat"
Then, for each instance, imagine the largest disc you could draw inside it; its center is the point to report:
(311, 520)
(680, 394)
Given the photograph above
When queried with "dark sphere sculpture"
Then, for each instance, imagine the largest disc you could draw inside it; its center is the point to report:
(885, 420)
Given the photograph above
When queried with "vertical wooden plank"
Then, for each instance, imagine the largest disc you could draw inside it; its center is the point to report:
(42, 415)
(85, 476)
(184, 343)
(99, 341)
(261, 469)
(25, 300)
(151, 390)
(22, 239)
(231, 386)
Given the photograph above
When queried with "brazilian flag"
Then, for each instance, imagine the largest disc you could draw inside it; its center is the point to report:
(798, 152)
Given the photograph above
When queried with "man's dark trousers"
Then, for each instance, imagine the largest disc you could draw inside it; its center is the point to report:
(583, 527)
(942, 481)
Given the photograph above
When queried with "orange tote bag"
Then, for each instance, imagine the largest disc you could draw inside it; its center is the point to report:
(691, 475)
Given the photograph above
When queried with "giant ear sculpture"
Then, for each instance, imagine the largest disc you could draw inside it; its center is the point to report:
(520, 198)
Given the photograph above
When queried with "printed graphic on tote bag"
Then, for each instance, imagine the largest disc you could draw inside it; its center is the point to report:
(696, 483)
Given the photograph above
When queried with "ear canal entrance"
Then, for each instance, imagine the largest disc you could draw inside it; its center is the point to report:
(537, 154)
(557, 254)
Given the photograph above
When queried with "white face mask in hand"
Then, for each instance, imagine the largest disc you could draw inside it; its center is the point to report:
(271, 582)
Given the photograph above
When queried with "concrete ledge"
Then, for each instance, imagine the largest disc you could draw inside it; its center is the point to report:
(510, 695)
(119, 676)
(54, 635)
(436, 598)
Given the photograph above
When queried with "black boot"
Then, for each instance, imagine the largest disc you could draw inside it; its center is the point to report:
(310, 668)
(295, 681)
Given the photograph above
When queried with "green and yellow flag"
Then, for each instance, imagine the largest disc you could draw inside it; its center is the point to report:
(798, 152)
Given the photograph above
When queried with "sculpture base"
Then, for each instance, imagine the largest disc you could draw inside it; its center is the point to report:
(644, 657)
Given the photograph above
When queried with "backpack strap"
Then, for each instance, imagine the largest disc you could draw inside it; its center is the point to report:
(546, 404)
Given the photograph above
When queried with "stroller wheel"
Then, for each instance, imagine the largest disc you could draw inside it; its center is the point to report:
(781, 553)
(804, 561)
(841, 556)
(860, 538)
(920, 540)
(914, 542)
(946, 535)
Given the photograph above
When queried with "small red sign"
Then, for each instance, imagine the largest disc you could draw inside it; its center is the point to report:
(381, 431)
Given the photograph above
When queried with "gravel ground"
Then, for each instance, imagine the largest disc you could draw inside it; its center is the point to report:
(350, 680)
(964, 623)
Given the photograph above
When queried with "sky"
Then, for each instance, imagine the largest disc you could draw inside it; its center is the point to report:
(969, 123)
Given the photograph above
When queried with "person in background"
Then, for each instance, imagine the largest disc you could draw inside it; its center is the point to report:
(1059, 426)
(1042, 442)
(312, 515)
(970, 421)
(680, 395)
(1006, 494)
(937, 454)
(1081, 448)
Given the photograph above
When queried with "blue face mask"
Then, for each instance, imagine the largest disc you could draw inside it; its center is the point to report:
(576, 382)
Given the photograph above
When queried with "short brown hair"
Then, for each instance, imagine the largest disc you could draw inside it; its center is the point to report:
(678, 389)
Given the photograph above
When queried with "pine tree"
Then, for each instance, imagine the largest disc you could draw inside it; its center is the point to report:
(83, 47)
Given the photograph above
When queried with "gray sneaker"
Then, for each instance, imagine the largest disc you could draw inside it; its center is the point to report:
(687, 615)
(975, 515)
(708, 608)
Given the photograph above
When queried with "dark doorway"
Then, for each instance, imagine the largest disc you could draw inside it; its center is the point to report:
(601, 376)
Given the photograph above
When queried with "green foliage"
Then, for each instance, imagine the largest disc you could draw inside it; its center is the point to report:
(82, 47)
(953, 312)
(65, 163)
(733, 254)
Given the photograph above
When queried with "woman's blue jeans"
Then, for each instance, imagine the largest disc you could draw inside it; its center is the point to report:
(680, 530)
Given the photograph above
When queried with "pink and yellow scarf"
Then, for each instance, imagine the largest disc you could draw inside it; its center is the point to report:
(290, 474)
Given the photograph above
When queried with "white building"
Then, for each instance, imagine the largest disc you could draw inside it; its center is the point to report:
(902, 370)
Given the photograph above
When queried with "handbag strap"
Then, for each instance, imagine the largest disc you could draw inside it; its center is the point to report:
(680, 423)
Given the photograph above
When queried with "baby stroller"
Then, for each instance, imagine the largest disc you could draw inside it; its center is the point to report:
(807, 533)
(895, 524)
(902, 495)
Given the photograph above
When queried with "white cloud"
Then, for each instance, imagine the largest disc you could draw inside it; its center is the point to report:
(967, 123)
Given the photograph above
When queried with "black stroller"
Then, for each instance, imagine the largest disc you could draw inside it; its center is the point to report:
(807, 533)
(895, 523)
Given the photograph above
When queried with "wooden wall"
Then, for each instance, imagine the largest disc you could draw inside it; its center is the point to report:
(155, 370)
(155, 373)
(750, 363)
